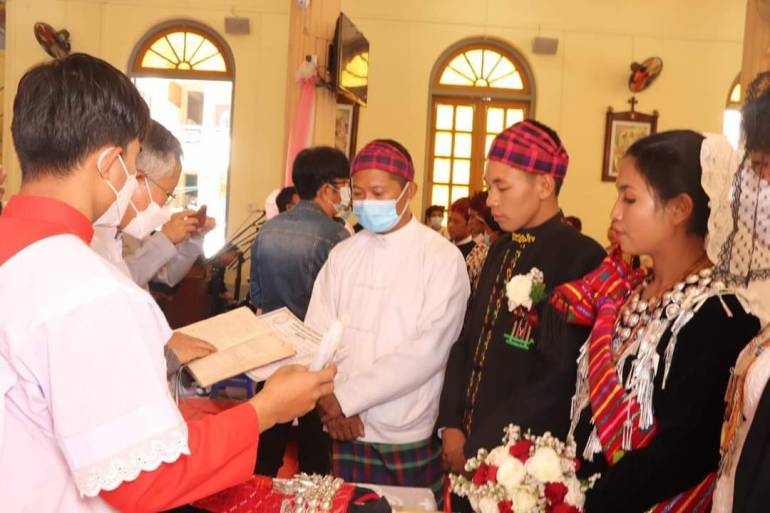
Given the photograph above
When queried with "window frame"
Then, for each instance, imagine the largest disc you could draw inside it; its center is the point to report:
(730, 104)
(135, 68)
(478, 96)
(135, 71)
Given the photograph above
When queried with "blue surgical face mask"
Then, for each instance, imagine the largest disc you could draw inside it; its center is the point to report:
(379, 216)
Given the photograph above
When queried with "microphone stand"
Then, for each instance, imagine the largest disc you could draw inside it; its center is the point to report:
(244, 248)
(236, 243)
(236, 240)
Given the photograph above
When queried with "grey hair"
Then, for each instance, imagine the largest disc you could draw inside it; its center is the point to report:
(161, 151)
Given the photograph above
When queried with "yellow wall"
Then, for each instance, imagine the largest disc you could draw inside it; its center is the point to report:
(698, 40)
(110, 28)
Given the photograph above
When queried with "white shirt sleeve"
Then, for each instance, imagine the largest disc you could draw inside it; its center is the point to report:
(153, 253)
(177, 268)
(111, 408)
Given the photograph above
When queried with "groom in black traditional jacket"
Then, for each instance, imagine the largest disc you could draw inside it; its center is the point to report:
(515, 360)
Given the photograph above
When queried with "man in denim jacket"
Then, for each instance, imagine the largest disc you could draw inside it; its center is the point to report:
(286, 257)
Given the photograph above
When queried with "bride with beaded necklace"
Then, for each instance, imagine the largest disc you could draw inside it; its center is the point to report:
(651, 380)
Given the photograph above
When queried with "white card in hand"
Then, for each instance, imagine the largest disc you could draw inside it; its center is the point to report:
(329, 344)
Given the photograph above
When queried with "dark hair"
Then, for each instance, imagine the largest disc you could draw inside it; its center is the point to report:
(433, 208)
(401, 148)
(479, 205)
(756, 114)
(670, 163)
(558, 182)
(284, 198)
(161, 150)
(548, 130)
(67, 108)
(317, 166)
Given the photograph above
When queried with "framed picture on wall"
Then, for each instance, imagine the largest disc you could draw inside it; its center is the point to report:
(621, 131)
(346, 127)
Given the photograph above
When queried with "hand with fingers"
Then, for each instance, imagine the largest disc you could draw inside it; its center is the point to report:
(329, 408)
(209, 225)
(187, 348)
(345, 429)
(291, 392)
(339, 426)
(181, 226)
(453, 454)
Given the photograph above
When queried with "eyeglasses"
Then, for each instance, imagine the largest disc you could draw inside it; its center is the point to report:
(170, 196)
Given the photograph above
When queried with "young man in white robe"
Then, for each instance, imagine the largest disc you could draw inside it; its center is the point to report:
(87, 423)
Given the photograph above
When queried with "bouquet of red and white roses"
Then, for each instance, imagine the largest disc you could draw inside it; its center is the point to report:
(526, 474)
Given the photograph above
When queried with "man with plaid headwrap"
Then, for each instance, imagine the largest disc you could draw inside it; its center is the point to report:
(400, 289)
(515, 362)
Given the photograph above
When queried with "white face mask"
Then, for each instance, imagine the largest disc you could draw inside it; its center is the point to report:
(344, 204)
(345, 198)
(114, 214)
(149, 219)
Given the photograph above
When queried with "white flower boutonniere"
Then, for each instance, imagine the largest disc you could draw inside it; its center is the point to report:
(525, 290)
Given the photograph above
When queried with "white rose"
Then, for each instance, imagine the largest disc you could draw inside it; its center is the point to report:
(487, 505)
(575, 495)
(498, 455)
(518, 292)
(510, 474)
(524, 501)
(474, 500)
(545, 465)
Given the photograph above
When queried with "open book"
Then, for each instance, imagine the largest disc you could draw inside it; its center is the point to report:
(244, 342)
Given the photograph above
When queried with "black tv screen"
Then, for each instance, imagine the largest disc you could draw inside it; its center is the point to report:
(351, 67)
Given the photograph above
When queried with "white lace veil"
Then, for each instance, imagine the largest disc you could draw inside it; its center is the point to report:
(738, 240)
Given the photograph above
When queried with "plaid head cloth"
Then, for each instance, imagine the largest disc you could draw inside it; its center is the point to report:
(385, 157)
(528, 147)
(461, 206)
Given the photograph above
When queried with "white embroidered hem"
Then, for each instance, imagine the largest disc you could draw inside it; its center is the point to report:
(126, 466)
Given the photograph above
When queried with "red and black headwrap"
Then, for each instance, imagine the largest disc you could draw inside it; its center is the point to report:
(386, 157)
(526, 146)
(461, 207)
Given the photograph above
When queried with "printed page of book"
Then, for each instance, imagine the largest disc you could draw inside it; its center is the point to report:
(303, 339)
(243, 341)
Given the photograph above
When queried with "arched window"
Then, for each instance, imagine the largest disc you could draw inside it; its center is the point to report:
(731, 122)
(478, 88)
(185, 72)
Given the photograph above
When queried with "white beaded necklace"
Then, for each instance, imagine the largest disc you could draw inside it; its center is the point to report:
(639, 328)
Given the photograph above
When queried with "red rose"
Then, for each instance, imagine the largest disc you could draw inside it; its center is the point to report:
(533, 319)
(492, 473)
(480, 477)
(555, 492)
(563, 508)
(577, 464)
(505, 507)
(520, 450)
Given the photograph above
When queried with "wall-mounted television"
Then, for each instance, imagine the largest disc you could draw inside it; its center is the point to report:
(349, 61)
